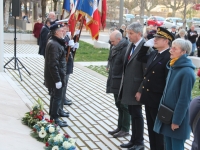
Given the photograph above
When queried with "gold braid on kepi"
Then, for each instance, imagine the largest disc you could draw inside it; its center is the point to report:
(162, 32)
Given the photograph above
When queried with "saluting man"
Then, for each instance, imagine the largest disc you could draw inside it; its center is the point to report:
(154, 80)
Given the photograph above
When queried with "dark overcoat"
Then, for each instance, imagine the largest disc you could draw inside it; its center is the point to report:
(154, 77)
(195, 122)
(132, 76)
(116, 66)
(43, 39)
(55, 62)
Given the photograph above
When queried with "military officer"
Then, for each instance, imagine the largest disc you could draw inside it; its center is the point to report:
(154, 80)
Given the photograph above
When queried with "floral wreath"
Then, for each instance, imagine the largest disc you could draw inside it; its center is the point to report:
(46, 130)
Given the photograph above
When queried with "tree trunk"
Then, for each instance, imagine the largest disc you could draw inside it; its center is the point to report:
(55, 6)
(35, 11)
(7, 6)
(43, 3)
(39, 9)
(142, 7)
(173, 12)
(185, 13)
(25, 7)
(20, 11)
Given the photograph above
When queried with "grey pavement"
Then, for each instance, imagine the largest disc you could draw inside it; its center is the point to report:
(92, 114)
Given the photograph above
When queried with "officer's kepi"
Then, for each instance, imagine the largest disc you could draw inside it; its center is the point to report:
(164, 33)
(55, 26)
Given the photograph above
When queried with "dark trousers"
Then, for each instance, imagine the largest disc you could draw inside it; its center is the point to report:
(198, 52)
(156, 140)
(64, 93)
(55, 102)
(137, 124)
(123, 115)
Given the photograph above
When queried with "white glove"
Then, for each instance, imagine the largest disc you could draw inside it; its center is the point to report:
(77, 32)
(58, 85)
(149, 43)
(71, 43)
(68, 34)
(76, 45)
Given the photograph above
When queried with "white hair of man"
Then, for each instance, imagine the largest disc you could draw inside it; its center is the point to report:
(136, 27)
(184, 45)
(52, 16)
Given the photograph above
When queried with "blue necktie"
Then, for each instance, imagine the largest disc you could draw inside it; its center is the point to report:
(132, 51)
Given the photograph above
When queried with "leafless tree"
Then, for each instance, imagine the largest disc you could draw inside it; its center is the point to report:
(174, 5)
(111, 11)
(131, 4)
(142, 8)
(186, 2)
(43, 3)
(150, 4)
(55, 4)
(6, 12)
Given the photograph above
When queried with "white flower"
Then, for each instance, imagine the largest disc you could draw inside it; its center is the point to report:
(60, 139)
(55, 148)
(42, 128)
(72, 141)
(51, 129)
(42, 133)
(67, 145)
(55, 139)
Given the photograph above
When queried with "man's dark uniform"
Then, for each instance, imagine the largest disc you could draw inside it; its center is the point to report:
(153, 86)
(55, 71)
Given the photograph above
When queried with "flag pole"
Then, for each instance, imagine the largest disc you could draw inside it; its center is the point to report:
(61, 17)
(78, 37)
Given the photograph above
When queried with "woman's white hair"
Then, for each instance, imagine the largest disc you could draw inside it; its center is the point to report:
(184, 45)
(182, 31)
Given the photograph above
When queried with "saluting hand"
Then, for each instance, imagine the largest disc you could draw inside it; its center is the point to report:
(174, 126)
(137, 96)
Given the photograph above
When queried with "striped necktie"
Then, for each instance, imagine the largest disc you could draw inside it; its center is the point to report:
(132, 51)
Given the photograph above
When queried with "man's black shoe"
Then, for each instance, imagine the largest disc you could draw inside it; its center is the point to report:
(113, 132)
(61, 123)
(128, 145)
(120, 134)
(67, 102)
(63, 114)
(137, 147)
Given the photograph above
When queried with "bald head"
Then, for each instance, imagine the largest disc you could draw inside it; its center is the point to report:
(115, 37)
(192, 27)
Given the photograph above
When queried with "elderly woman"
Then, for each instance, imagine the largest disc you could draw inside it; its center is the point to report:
(37, 28)
(181, 34)
(123, 30)
(177, 96)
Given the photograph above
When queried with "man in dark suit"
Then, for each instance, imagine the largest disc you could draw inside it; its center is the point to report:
(154, 80)
(43, 37)
(131, 85)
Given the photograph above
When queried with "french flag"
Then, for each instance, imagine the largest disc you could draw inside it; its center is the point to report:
(66, 8)
(72, 19)
(93, 24)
